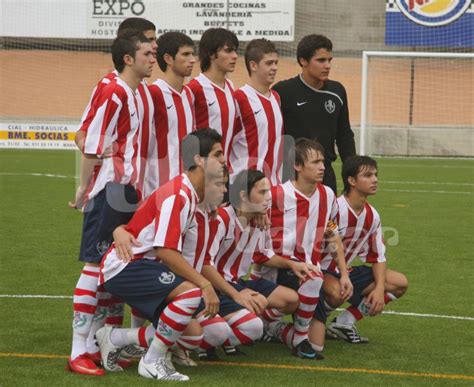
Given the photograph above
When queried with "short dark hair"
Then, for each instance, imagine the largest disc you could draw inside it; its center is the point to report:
(126, 44)
(212, 40)
(256, 50)
(199, 143)
(244, 181)
(137, 24)
(352, 166)
(309, 44)
(170, 43)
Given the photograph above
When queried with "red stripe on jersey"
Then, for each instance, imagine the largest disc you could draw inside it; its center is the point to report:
(174, 234)
(200, 104)
(224, 108)
(267, 107)
(201, 237)
(182, 124)
(369, 218)
(145, 135)
(321, 226)
(278, 219)
(349, 235)
(302, 213)
(84, 292)
(250, 128)
(162, 132)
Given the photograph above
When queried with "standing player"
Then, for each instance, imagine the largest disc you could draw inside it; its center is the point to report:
(173, 107)
(238, 243)
(213, 93)
(159, 282)
(112, 196)
(302, 217)
(258, 136)
(314, 106)
(374, 285)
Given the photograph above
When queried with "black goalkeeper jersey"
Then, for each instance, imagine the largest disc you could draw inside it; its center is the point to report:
(320, 114)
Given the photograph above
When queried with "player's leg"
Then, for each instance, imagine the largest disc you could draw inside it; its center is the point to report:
(189, 341)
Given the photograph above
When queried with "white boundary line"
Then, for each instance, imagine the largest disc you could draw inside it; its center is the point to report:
(36, 174)
(426, 191)
(392, 312)
(424, 182)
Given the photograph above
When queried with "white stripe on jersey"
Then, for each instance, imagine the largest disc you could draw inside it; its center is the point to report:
(233, 248)
(115, 124)
(361, 235)
(196, 239)
(299, 222)
(173, 120)
(257, 141)
(214, 107)
(161, 221)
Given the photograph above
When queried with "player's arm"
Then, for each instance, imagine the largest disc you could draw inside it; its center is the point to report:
(248, 298)
(344, 135)
(337, 252)
(376, 297)
(88, 162)
(178, 265)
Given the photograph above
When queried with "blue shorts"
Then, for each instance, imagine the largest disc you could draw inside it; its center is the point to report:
(144, 285)
(286, 277)
(111, 207)
(226, 306)
(262, 286)
(360, 276)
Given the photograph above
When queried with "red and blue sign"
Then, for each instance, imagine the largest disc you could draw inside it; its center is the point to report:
(430, 23)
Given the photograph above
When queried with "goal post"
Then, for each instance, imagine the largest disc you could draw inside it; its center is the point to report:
(417, 103)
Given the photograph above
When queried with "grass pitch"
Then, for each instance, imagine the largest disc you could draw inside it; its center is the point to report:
(427, 212)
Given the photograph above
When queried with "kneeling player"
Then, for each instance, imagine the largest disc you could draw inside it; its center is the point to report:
(238, 243)
(361, 229)
(158, 281)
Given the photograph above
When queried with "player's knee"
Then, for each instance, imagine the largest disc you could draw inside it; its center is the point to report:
(402, 285)
(253, 329)
(216, 331)
(332, 293)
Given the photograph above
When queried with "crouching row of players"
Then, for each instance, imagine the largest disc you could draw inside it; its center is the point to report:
(182, 260)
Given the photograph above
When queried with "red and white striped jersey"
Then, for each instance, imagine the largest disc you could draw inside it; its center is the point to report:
(235, 247)
(115, 124)
(161, 221)
(195, 242)
(173, 120)
(361, 235)
(257, 142)
(214, 107)
(299, 222)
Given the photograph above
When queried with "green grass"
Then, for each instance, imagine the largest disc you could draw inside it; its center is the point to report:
(40, 235)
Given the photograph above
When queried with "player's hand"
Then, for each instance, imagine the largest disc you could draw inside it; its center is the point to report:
(79, 198)
(211, 301)
(375, 301)
(251, 300)
(108, 152)
(124, 241)
(263, 222)
(346, 287)
(304, 270)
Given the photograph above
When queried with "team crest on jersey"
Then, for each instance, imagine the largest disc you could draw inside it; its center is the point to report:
(433, 13)
(330, 106)
(102, 247)
(167, 278)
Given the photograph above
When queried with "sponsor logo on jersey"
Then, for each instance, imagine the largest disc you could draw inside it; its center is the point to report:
(330, 106)
(433, 13)
(167, 278)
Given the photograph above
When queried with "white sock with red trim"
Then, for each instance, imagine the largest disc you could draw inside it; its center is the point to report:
(215, 330)
(84, 305)
(308, 294)
(98, 321)
(246, 328)
(172, 323)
